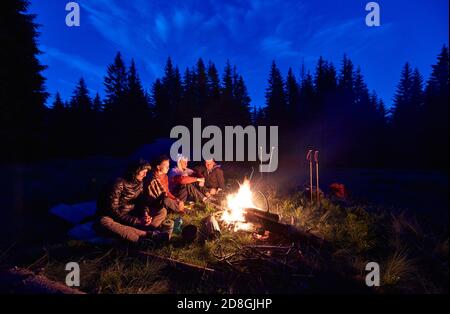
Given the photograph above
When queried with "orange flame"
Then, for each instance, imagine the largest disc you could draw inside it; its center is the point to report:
(236, 203)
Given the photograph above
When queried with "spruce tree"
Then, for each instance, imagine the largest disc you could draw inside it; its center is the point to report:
(81, 102)
(213, 111)
(242, 101)
(116, 83)
(436, 111)
(22, 85)
(58, 104)
(292, 98)
(275, 96)
(97, 104)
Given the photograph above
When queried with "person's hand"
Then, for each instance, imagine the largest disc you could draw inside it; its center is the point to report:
(201, 181)
(213, 191)
(180, 206)
(146, 220)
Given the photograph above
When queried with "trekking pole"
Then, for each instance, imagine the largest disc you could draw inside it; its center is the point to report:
(309, 158)
(260, 159)
(316, 160)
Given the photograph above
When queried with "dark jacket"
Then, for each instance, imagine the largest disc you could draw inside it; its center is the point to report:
(122, 201)
(213, 179)
(119, 201)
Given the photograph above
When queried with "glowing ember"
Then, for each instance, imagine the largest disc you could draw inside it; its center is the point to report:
(236, 203)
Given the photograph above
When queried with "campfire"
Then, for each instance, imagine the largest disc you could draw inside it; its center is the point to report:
(241, 213)
(239, 206)
(233, 215)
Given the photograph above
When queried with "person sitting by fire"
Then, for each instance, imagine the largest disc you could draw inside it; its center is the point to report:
(156, 188)
(213, 175)
(184, 183)
(121, 211)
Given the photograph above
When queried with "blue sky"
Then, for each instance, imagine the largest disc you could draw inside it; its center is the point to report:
(250, 33)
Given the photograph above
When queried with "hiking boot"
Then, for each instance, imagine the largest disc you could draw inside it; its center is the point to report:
(159, 236)
(146, 244)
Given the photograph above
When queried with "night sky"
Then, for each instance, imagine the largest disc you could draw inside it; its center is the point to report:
(250, 33)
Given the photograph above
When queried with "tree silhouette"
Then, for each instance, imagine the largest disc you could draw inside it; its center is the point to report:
(80, 121)
(406, 117)
(116, 82)
(22, 85)
(275, 96)
(97, 104)
(306, 99)
(81, 102)
(227, 94)
(58, 104)
(292, 98)
(157, 100)
(137, 116)
(201, 90)
(134, 93)
(436, 111)
(167, 99)
(213, 109)
(241, 102)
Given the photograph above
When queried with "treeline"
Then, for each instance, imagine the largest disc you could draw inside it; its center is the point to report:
(129, 116)
(329, 108)
(86, 125)
(335, 112)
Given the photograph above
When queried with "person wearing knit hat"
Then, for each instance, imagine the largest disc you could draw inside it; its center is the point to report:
(184, 182)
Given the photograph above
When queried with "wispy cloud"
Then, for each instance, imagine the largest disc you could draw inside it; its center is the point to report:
(162, 27)
(278, 47)
(351, 34)
(179, 18)
(110, 21)
(184, 16)
(72, 61)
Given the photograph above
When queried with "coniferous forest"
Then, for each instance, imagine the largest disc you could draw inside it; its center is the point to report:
(330, 107)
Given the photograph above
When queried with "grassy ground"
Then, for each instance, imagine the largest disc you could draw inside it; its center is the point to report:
(413, 258)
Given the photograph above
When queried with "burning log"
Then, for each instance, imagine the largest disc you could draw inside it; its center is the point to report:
(243, 214)
(271, 223)
(257, 216)
(210, 228)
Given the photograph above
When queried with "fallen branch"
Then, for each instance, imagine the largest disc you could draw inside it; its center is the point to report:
(269, 247)
(18, 280)
(177, 264)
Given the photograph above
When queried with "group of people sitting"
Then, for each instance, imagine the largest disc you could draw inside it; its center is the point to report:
(135, 205)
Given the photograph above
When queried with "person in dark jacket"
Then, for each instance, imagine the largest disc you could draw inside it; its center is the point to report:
(121, 209)
(213, 175)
